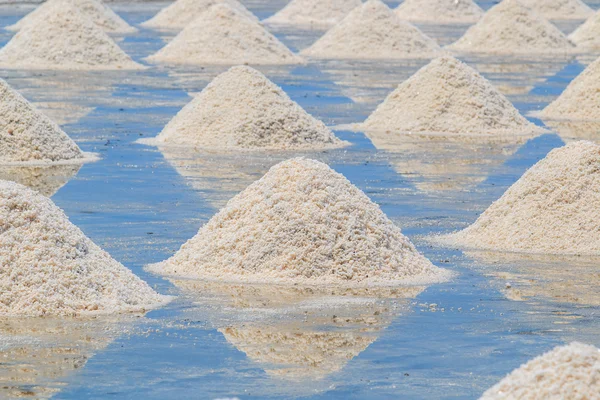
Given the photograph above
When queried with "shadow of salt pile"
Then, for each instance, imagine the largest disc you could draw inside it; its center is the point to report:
(46, 179)
(570, 131)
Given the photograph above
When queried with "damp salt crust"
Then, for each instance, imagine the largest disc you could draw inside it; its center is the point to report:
(313, 13)
(440, 11)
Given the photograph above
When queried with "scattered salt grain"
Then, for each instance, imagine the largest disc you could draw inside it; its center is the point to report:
(440, 11)
(560, 9)
(313, 13)
(587, 35)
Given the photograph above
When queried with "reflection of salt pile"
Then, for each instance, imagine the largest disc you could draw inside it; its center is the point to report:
(552, 209)
(511, 28)
(373, 31)
(64, 39)
(587, 35)
(316, 13)
(566, 372)
(49, 267)
(447, 96)
(45, 179)
(302, 223)
(242, 109)
(575, 130)
(95, 10)
(223, 35)
(560, 9)
(182, 12)
(440, 11)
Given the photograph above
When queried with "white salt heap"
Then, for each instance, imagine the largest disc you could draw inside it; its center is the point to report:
(552, 209)
(560, 9)
(302, 223)
(580, 100)
(182, 12)
(373, 31)
(222, 35)
(313, 13)
(98, 12)
(440, 11)
(242, 109)
(27, 135)
(587, 35)
(64, 39)
(49, 267)
(447, 96)
(566, 372)
(511, 28)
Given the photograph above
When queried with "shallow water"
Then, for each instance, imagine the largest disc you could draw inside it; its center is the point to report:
(449, 341)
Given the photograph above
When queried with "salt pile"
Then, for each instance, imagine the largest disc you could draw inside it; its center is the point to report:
(182, 12)
(313, 13)
(587, 36)
(511, 28)
(440, 11)
(447, 96)
(242, 109)
(95, 10)
(373, 31)
(302, 223)
(566, 372)
(222, 35)
(580, 100)
(560, 9)
(27, 135)
(64, 39)
(552, 209)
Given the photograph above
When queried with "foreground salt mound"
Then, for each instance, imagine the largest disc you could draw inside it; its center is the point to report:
(551, 209)
(64, 39)
(313, 13)
(440, 11)
(373, 31)
(98, 12)
(566, 372)
(302, 223)
(560, 9)
(448, 96)
(182, 12)
(587, 35)
(222, 35)
(49, 267)
(511, 28)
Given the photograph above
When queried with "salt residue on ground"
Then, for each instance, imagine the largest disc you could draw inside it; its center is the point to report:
(560, 9)
(587, 35)
(440, 11)
(313, 13)
(373, 31)
(511, 28)
(566, 372)
(242, 109)
(448, 97)
(222, 35)
(302, 223)
(49, 267)
(551, 209)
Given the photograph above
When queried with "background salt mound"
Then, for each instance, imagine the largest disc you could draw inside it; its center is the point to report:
(180, 13)
(317, 13)
(373, 31)
(560, 9)
(28, 135)
(440, 11)
(511, 28)
(587, 36)
(49, 267)
(64, 39)
(302, 223)
(566, 372)
(447, 96)
(552, 209)
(242, 109)
(580, 100)
(223, 35)
(95, 10)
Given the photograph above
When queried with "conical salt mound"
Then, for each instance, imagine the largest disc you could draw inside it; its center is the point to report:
(552, 209)
(28, 135)
(222, 35)
(560, 9)
(447, 96)
(580, 100)
(242, 109)
(182, 12)
(49, 267)
(64, 39)
(313, 13)
(302, 223)
(511, 28)
(440, 11)
(98, 12)
(566, 372)
(373, 31)
(587, 36)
